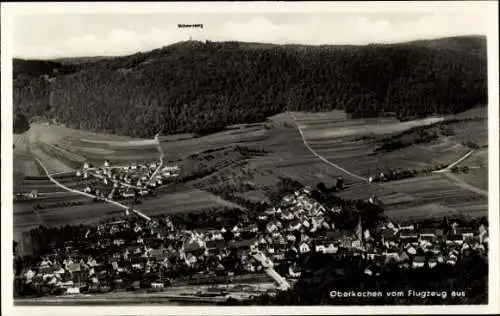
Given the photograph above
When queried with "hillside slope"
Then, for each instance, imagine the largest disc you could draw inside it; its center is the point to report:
(202, 87)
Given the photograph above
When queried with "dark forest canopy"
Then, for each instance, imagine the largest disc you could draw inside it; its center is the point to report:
(202, 87)
(21, 124)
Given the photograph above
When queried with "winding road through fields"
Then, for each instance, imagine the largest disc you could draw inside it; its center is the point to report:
(323, 158)
(445, 171)
(459, 160)
(162, 155)
(62, 186)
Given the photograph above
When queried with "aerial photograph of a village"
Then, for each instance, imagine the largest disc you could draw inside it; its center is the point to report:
(250, 159)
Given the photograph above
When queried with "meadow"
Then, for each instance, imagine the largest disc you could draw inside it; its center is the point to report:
(176, 200)
(247, 160)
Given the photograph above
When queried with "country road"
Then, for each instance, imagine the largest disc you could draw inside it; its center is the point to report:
(445, 171)
(461, 183)
(323, 158)
(162, 155)
(87, 194)
(459, 160)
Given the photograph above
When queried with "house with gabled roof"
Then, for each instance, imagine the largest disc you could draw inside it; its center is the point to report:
(454, 239)
(418, 261)
(479, 247)
(294, 225)
(253, 228)
(286, 215)
(451, 260)
(464, 247)
(411, 250)
(427, 233)
(406, 226)
(433, 261)
(262, 217)
(291, 238)
(320, 248)
(304, 247)
(403, 256)
(194, 246)
(331, 248)
(287, 198)
(306, 223)
(392, 253)
(465, 232)
(271, 227)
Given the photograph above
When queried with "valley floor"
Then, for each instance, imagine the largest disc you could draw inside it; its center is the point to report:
(248, 160)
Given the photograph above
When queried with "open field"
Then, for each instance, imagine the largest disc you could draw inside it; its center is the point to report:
(351, 143)
(267, 151)
(336, 124)
(175, 200)
(183, 148)
(428, 187)
(253, 196)
(476, 177)
(441, 192)
(473, 131)
(58, 147)
(429, 210)
(474, 112)
(477, 160)
(175, 137)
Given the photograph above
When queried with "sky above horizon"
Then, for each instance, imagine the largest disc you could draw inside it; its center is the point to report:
(64, 35)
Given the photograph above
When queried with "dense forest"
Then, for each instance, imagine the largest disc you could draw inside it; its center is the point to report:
(202, 87)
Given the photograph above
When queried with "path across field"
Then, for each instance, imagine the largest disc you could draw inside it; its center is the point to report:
(461, 183)
(323, 158)
(458, 181)
(87, 194)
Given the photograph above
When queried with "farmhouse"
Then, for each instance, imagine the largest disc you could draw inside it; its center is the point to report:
(418, 262)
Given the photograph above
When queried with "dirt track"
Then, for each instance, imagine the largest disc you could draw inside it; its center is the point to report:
(323, 158)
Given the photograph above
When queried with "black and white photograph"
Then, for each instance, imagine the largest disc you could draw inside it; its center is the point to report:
(171, 155)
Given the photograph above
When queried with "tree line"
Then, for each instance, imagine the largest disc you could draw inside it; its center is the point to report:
(201, 87)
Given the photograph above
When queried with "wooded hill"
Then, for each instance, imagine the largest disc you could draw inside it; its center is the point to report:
(201, 87)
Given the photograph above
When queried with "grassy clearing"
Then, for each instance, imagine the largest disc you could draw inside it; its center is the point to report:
(437, 191)
(67, 158)
(476, 180)
(123, 143)
(420, 212)
(176, 137)
(353, 127)
(215, 164)
(180, 200)
(53, 164)
(253, 196)
(25, 165)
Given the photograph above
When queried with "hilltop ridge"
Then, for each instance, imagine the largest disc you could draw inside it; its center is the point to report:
(201, 87)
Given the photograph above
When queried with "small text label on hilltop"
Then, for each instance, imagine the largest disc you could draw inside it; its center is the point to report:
(190, 26)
